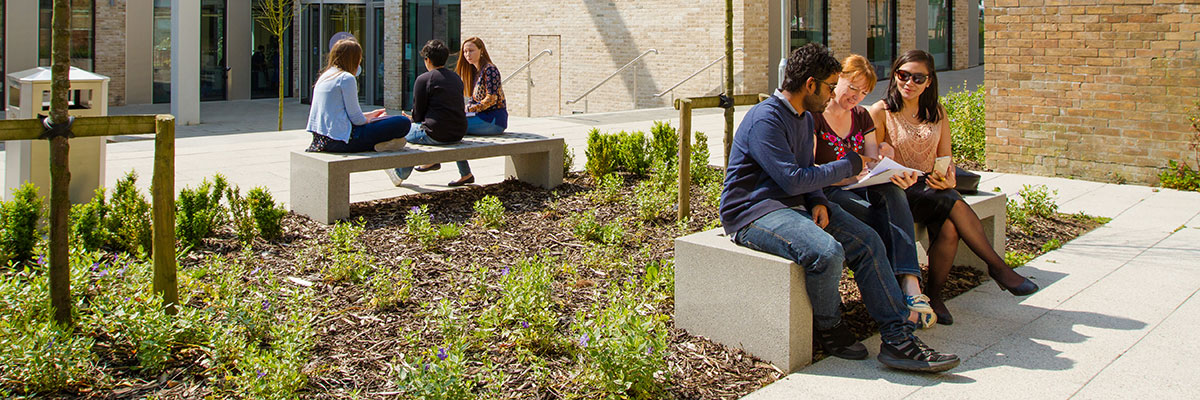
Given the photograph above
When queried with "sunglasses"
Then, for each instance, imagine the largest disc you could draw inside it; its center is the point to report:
(916, 78)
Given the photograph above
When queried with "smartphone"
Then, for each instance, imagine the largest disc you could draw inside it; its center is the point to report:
(941, 164)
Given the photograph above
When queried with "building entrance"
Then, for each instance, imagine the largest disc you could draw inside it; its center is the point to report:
(320, 21)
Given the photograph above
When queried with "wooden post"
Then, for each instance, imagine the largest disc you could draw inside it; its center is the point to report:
(163, 192)
(685, 158)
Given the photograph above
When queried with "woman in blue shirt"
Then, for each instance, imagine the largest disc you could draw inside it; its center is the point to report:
(335, 119)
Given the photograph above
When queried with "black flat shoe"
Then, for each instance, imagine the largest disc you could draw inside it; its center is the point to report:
(839, 342)
(1024, 289)
(944, 318)
(461, 181)
(430, 167)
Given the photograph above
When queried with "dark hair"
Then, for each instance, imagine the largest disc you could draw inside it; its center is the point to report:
(437, 52)
(928, 109)
(810, 61)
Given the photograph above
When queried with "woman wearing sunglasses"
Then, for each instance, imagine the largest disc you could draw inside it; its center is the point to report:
(845, 126)
(913, 122)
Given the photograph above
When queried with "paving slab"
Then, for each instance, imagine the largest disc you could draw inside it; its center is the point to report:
(1164, 208)
(1158, 366)
(1107, 201)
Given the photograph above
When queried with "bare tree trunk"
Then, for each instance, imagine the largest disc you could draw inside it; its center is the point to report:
(60, 173)
(728, 79)
(282, 84)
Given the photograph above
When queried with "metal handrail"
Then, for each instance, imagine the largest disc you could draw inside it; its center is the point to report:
(526, 65)
(693, 75)
(589, 91)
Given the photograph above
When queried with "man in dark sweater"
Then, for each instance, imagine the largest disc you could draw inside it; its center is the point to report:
(773, 202)
(438, 114)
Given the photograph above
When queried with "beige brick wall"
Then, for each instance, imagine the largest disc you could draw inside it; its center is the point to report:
(906, 26)
(840, 28)
(961, 40)
(1096, 90)
(599, 36)
(393, 53)
(110, 48)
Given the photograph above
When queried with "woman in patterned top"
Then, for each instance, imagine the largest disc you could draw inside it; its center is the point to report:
(845, 126)
(487, 114)
(915, 124)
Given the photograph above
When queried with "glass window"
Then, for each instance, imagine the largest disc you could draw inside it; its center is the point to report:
(214, 75)
(425, 20)
(160, 56)
(808, 22)
(350, 18)
(940, 43)
(981, 31)
(881, 35)
(3, 73)
(265, 61)
(379, 64)
(82, 33)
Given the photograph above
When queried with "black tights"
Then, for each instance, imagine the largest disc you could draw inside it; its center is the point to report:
(963, 223)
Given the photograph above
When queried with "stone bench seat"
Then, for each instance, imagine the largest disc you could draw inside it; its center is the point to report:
(320, 182)
(758, 301)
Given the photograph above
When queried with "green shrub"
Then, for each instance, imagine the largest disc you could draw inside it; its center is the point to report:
(240, 213)
(1180, 176)
(1038, 200)
(1017, 216)
(1017, 258)
(350, 261)
(39, 356)
(89, 222)
(965, 110)
(489, 212)
(199, 212)
(702, 174)
(268, 216)
(439, 373)
(19, 231)
(601, 153)
(585, 227)
(1050, 245)
(664, 143)
(623, 348)
(609, 189)
(652, 202)
(568, 159)
(129, 217)
(391, 287)
(525, 312)
(632, 154)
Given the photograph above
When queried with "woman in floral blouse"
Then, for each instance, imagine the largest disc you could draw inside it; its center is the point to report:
(845, 126)
(487, 114)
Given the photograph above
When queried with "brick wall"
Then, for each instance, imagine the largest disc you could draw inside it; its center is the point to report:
(961, 40)
(906, 26)
(1098, 90)
(393, 53)
(599, 36)
(110, 48)
(840, 27)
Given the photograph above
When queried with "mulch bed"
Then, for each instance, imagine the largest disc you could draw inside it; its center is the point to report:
(356, 343)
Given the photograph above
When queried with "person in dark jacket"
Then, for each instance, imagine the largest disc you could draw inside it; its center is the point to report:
(438, 116)
(773, 202)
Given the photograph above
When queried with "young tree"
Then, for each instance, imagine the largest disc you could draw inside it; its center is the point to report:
(276, 17)
(728, 78)
(60, 174)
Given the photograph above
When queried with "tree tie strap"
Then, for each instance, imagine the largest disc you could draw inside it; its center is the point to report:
(725, 101)
(54, 131)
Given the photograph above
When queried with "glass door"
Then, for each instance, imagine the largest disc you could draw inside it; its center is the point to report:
(160, 56)
(214, 71)
(320, 22)
(265, 62)
(426, 20)
(881, 35)
(940, 39)
(376, 64)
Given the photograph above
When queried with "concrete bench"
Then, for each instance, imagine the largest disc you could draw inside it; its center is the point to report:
(320, 182)
(758, 301)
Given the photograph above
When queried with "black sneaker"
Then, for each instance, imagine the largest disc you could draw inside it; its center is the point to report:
(839, 342)
(913, 355)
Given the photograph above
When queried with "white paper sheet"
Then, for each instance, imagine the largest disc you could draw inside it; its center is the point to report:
(882, 173)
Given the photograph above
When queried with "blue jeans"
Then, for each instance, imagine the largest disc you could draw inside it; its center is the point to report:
(364, 137)
(477, 127)
(885, 209)
(417, 135)
(791, 233)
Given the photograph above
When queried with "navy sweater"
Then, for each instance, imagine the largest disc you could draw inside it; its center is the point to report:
(771, 165)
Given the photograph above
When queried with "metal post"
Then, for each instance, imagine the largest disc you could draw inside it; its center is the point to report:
(529, 93)
(685, 158)
(635, 88)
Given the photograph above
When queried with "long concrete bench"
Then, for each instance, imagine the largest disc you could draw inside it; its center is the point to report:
(320, 182)
(757, 301)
